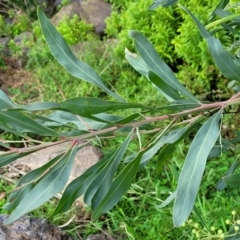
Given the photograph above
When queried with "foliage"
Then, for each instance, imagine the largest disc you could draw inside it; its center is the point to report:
(54, 83)
(21, 23)
(104, 183)
(74, 30)
(51, 78)
(28, 7)
(175, 38)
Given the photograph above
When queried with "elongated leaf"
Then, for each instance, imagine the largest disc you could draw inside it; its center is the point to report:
(10, 157)
(63, 54)
(79, 185)
(201, 28)
(168, 150)
(89, 106)
(193, 168)
(200, 216)
(180, 105)
(223, 60)
(39, 106)
(19, 197)
(4, 103)
(128, 119)
(163, 3)
(82, 106)
(63, 118)
(5, 99)
(47, 122)
(137, 63)
(165, 154)
(170, 138)
(140, 66)
(102, 182)
(163, 86)
(177, 106)
(25, 124)
(8, 129)
(154, 145)
(5, 145)
(157, 65)
(168, 200)
(119, 186)
(108, 118)
(223, 13)
(45, 189)
(222, 4)
(219, 148)
(221, 184)
(230, 29)
(35, 174)
(233, 180)
(59, 118)
(221, 57)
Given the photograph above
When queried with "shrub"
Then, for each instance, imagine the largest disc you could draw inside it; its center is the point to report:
(175, 38)
(75, 30)
(105, 182)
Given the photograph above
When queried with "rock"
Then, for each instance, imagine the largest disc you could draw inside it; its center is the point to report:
(96, 12)
(22, 38)
(59, 2)
(93, 12)
(68, 11)
(84, 159)
(27, 228)
(4, 46)
(17, 60)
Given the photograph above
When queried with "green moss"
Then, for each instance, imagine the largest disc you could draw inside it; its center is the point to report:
(21, 23)
(75, 30)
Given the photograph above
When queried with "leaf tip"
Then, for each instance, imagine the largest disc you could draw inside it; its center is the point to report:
(132, 33)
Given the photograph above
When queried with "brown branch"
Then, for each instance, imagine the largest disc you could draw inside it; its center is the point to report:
(202, 108)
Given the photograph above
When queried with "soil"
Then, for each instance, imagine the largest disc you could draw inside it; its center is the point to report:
(12, 75)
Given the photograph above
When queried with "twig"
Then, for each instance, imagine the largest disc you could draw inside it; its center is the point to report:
(16, 170)
(88, 221)
(68, 222)
(8, 179)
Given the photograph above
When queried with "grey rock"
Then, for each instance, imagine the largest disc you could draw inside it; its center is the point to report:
(58, 2)
(96, 12)
(93, 12)
(18, 61)
(2, 235)
(4, 46)
(85, 158)
(27, 228)
(67, 11)
(22, 39)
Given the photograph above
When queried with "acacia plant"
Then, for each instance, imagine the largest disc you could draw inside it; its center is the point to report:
(84, 119)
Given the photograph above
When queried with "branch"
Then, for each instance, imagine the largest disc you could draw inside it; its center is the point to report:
(202, 108)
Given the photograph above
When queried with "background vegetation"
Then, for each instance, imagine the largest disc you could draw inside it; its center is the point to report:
(178, 41)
